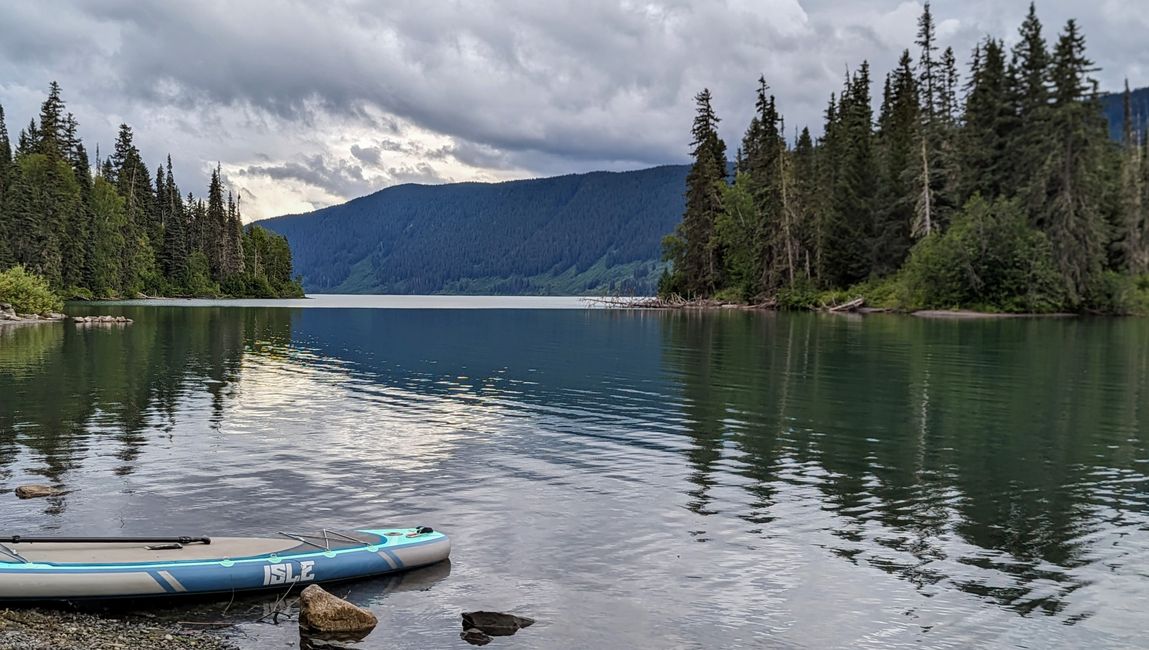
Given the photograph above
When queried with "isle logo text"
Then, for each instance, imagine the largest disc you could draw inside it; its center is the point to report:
(286, 574)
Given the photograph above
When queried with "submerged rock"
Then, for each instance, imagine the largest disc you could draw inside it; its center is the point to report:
(319, 611)
(37, 491)
(495, 623)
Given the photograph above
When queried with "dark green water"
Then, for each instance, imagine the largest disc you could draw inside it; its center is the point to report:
(629, 479)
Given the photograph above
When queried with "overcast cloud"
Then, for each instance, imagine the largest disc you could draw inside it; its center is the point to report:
(305, 104)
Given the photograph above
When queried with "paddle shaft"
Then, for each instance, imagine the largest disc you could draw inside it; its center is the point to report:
(20, 539)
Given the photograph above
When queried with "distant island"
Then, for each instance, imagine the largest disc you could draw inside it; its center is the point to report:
(1002, 192)
(112, 229)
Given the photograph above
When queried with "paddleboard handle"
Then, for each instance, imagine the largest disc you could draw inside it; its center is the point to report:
(21, 539)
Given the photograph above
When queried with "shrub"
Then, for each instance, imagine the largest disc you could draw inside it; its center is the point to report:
(989, 259)
(27, 293)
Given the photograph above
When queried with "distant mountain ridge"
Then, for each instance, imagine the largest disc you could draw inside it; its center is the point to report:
(598, 232)
(1114, 106)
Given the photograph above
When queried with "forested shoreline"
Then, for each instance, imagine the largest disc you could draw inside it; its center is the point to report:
(1001, 191)
(109, 228)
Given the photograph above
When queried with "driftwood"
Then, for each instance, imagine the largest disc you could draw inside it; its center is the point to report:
(853, 305)
(673, 302)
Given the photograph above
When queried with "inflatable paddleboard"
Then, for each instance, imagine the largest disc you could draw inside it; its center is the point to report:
(98, 568)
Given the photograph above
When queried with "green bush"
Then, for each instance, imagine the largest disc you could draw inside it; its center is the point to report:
(990, 259)
(1114, 293)
(27, 293)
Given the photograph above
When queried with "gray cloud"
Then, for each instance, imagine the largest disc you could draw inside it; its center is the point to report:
(339, 177)
(515, 87)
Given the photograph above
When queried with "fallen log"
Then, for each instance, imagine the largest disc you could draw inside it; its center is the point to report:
(852, 305)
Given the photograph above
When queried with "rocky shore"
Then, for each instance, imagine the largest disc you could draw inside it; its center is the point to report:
(36, 629)
(8, 315)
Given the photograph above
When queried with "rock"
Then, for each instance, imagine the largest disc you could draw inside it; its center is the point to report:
(321, 612)
(494, 623)
(53, 315)
(37, 491)
(474, 637)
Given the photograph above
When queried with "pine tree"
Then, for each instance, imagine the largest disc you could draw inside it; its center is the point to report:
(928, 64)
(899, 144)
(986, 132)
(1030, 95)
(846, 253)
(806, 198)
(1072, 182)
(5, 153)
(693, 249)
(174, 253)
(1131, 252)
(936, 170)
(50, 140)
(764, 167)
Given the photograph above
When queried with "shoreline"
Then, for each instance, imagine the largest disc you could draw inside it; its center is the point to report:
(855, 307)
(37, 628)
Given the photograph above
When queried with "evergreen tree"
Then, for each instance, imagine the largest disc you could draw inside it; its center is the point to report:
(174, 253)
(764, 151)
(6, 258)
(1030, 95)
(1131, 253)
(806, 198)
(846, 253)
(215, 231)
(986, 132)
(694, 249)
(928, 64)
(899, 140)
(50, 139)
(1072, 183)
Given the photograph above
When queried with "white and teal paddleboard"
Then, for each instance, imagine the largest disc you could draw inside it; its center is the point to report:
(99, 568)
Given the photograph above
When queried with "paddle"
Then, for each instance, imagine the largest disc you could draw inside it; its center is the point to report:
(20, 539)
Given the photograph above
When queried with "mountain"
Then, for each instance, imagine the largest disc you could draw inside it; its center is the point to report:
(1114, 108)
(579, 234)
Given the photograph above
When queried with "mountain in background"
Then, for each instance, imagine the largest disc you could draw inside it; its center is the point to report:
(596, 233)
(1114, 108)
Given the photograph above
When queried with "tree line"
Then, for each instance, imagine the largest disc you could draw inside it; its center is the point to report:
(1002, 191)
(113, 229)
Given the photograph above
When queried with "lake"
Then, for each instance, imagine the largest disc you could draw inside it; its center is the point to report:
(629, 479)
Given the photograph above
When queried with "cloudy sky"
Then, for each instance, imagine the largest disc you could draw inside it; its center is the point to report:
(307, 103)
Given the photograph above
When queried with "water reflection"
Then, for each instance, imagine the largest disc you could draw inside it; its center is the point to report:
(1000, 458)
(732, 466)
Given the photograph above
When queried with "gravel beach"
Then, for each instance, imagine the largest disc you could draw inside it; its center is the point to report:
(37, 629)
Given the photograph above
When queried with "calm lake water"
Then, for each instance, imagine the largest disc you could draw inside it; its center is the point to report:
(629, 479)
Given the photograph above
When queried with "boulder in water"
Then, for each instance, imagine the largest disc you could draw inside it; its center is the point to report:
(495, 623)
(37, 491)
(319, 611)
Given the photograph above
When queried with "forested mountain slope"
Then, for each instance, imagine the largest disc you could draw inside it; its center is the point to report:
(576, 234)
(1113, 103)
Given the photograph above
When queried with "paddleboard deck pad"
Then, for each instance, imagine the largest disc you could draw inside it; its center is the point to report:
(78, 570)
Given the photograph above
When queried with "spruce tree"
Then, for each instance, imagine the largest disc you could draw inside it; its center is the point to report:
(1130, 246)
(174, 253)
(50, 139)
(849, 230)
(764, 167)
(693, 249)
(928, 65)
(6, 258)
(899, 144)
(984, 153)
(807, 198)
(1030, 95)
(1072, 182)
